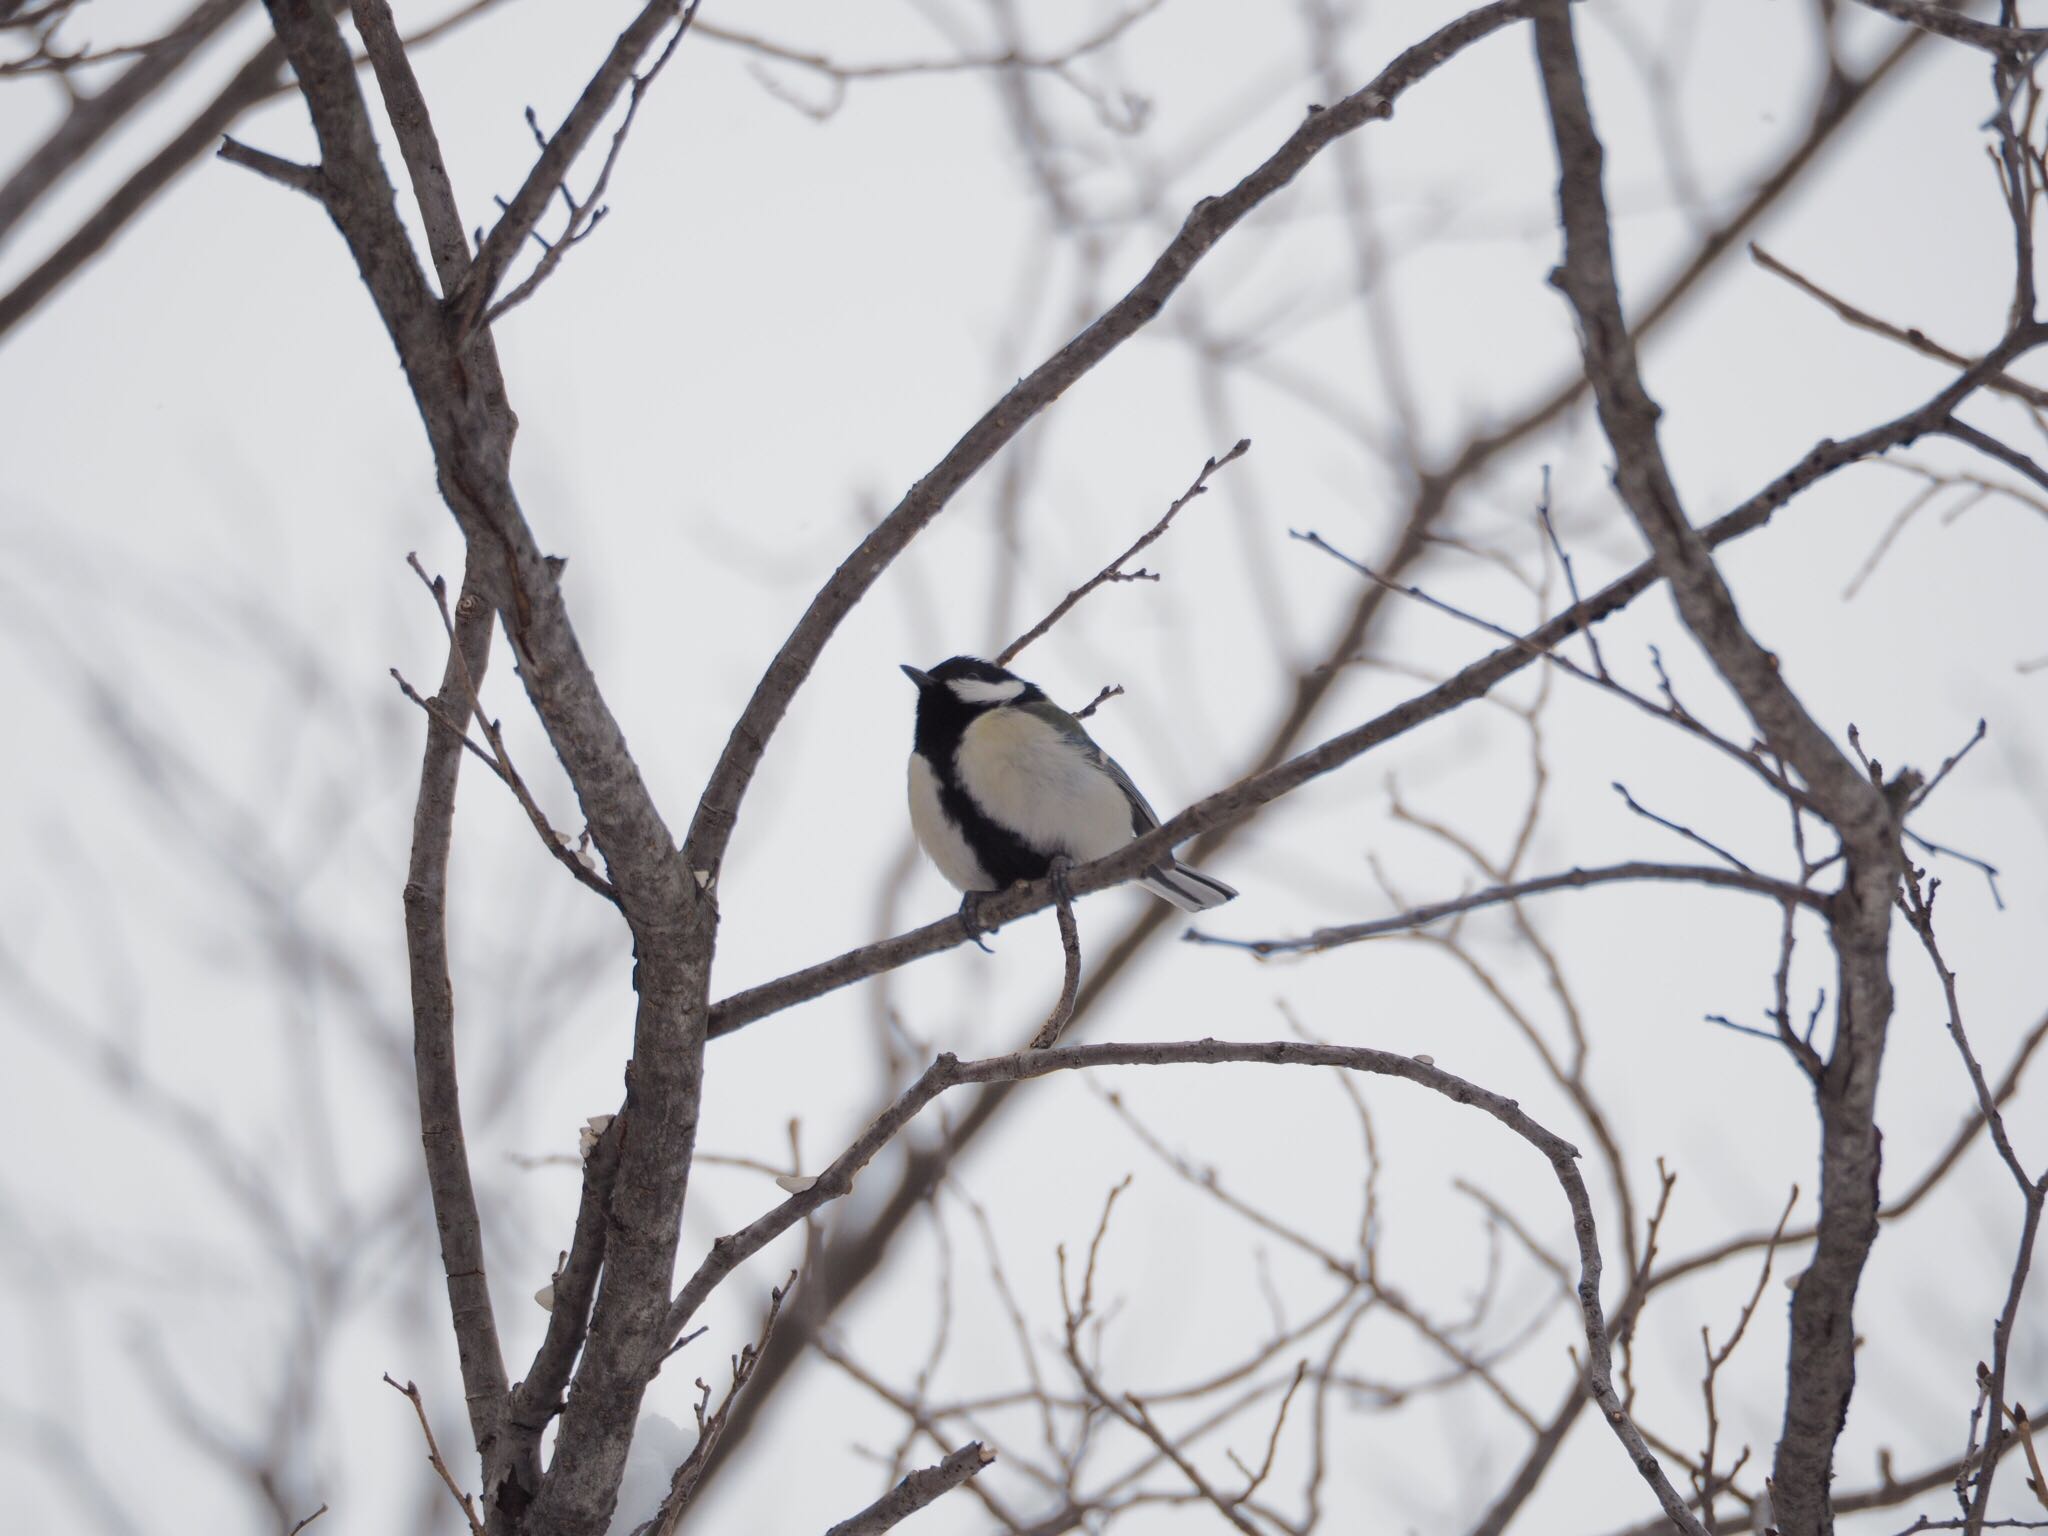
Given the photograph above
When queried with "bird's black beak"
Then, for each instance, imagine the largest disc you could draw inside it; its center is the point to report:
(922, 679)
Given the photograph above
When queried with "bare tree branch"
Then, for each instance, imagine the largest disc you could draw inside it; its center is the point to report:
(1570, 880)
(473, 296)
(286, 173)
(469, 425)
(1114, 571)
(1864, 812)
(433, 1010)
(915, 1491)
(1907, 336)
(1962, 28)
(92, 118)
(949, 1072)
(463, 1501)
(259, 79)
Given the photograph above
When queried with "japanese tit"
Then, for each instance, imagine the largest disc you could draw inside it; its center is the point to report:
(1003, 781)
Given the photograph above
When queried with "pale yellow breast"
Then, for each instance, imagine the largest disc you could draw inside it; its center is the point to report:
(1028, 777)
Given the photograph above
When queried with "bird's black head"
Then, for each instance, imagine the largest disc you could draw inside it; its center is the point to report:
(954, 692)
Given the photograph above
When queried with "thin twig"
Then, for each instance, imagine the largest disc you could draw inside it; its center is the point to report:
(1705, 1486)
(711, 1422)
(1907, 336)
(1114, 571)
(1110, 691)
(1571, 579)
(586, 213)
(1569, 880)
(463, 1501)
(1947, 763)
(1681, 829)
(500, 760)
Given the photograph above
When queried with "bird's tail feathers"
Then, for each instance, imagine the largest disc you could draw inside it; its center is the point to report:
(1187, 888)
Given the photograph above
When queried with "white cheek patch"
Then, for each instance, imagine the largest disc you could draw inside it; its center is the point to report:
(972, 690)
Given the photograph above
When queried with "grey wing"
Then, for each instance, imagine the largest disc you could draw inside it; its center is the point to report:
(1143, 818)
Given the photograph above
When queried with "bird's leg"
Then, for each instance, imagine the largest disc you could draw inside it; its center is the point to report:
(1056, 871)
(970, 919)
(1070, 946)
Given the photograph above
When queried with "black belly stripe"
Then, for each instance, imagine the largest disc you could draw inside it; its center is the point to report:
(1005, 855)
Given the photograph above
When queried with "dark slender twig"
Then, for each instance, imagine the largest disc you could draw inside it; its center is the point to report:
(1108, 692)
(586, 213)
(500, 760)
(431, 708)
(1918, 905)
(497, 250)
(1571, 579)
(1982, 866)
(1253, 1479)
(711, 1422)
(462, 1500)
(1114, 571)
(1705, 1486)
(1993, 448)
(1682, 830)
(1947, 764)
(1569, 880)
(1671, 710)
(1907, 336)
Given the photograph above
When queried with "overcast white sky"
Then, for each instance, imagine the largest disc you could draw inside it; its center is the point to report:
(210, 475)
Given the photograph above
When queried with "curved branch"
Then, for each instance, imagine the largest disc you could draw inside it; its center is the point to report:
(948, 1071)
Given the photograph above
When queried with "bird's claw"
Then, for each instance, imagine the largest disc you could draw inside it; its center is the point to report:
(970, 919)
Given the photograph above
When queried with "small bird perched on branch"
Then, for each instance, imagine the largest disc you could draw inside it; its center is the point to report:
(1003, 782)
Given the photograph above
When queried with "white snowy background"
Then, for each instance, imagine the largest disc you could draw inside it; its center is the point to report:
(210, 475)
